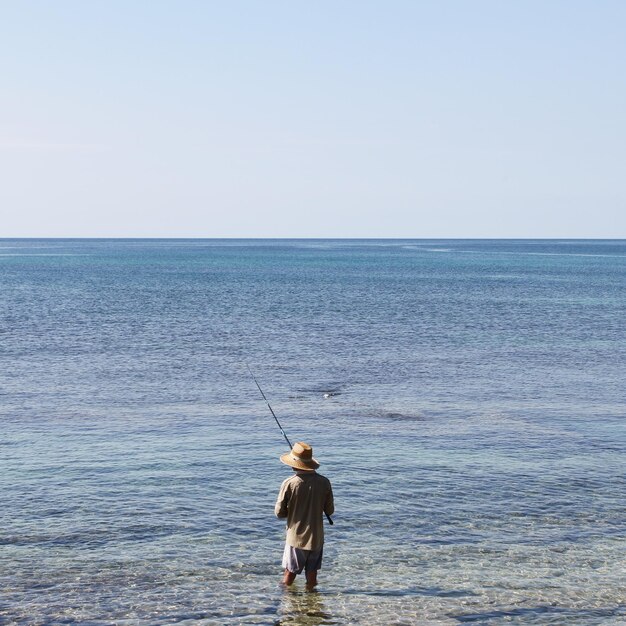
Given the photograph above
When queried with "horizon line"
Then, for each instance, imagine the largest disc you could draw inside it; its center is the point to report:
(234, 238)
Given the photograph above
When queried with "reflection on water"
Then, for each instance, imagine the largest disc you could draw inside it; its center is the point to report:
(302, 608)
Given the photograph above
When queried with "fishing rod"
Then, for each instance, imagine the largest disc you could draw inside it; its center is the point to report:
(330, 521)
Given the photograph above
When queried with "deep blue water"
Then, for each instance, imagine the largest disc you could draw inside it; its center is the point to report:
(466, 398)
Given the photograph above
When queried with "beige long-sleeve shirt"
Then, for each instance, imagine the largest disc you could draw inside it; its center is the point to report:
(303, 499)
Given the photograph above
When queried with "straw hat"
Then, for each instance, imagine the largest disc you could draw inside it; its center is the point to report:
(300, 457)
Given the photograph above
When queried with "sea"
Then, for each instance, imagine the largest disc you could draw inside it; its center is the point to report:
(466, 398)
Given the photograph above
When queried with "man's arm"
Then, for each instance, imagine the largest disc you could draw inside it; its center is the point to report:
(329, 502)
(282, 503)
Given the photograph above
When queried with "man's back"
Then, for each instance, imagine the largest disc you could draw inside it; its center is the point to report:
(303, 499)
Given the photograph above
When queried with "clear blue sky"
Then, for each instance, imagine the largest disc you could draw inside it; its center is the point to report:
(313, 119)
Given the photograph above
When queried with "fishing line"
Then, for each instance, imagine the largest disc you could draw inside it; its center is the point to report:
(269, 407)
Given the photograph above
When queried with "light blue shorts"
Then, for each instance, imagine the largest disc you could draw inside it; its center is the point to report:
(295, 559)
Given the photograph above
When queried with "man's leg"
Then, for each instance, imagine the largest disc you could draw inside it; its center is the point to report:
(293, 562)
(311, 580)
(313, 564)
(298, 559)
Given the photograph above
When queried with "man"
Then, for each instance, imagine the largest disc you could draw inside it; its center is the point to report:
(303, 499)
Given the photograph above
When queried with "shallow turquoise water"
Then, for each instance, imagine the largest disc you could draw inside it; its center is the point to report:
(473, 428)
